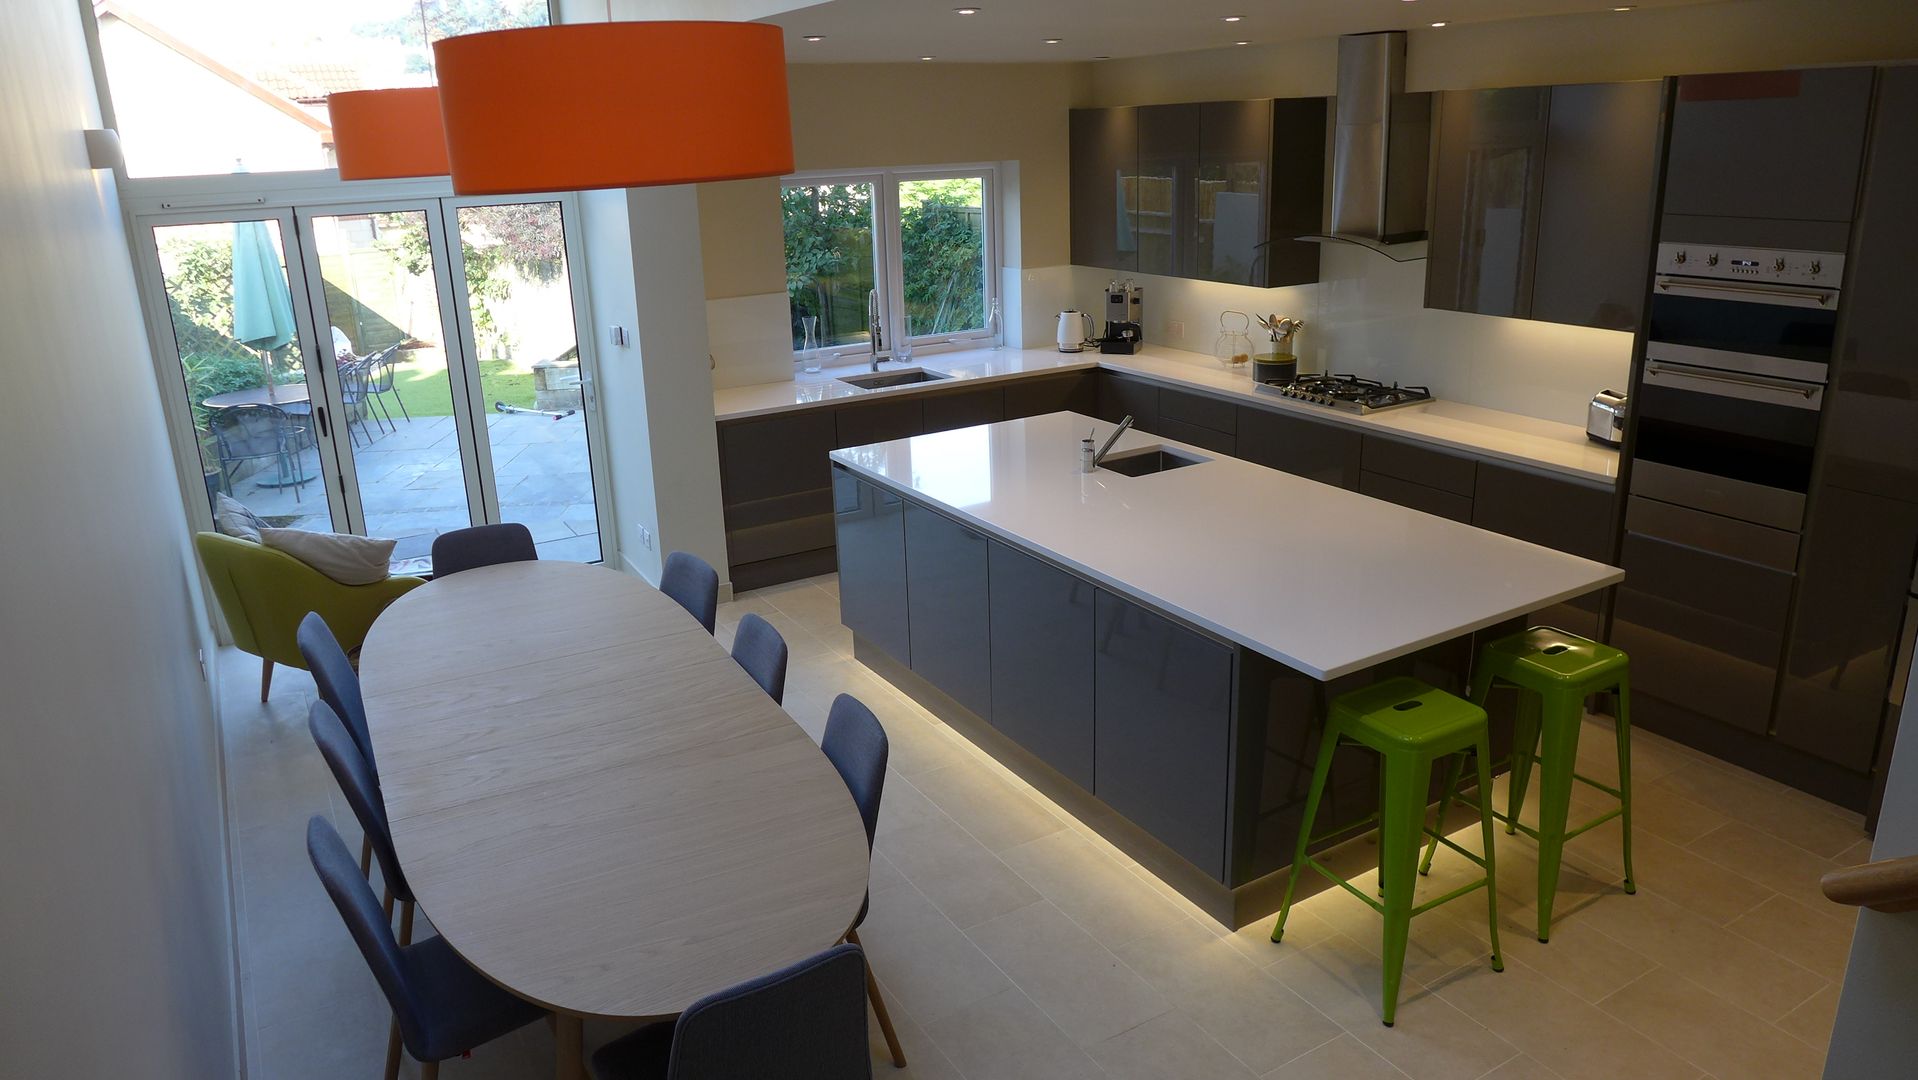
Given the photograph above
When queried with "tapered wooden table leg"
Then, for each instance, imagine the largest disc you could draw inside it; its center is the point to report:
(567, 1035)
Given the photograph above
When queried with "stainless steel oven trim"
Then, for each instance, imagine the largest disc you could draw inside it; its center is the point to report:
(1790, 394)
(1776, 508)
(1798, 296)
(1767, 367)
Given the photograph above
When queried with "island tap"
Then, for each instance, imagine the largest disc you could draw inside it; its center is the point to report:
(1116, 432)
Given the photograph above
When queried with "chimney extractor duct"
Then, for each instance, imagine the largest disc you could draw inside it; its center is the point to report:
(1381, 149)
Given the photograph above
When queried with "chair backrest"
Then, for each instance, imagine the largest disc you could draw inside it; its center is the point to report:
(806, 1022)
(247, 431)
(354, 774)
(693, 582)
(855, 743)
(368, 924)
(338, 683)
(482, 545)
(380, 370)
(762, 652)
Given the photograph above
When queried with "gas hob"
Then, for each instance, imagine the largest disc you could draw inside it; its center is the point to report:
(1349, 393)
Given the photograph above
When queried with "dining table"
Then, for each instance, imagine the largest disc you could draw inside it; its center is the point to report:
(595, 806)
(279, 394)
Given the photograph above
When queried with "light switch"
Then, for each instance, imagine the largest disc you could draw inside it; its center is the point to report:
(620, 336)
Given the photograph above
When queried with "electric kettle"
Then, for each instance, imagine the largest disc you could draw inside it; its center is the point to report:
(1075, 329)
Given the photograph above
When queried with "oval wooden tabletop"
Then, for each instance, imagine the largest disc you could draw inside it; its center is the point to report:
(594, 804)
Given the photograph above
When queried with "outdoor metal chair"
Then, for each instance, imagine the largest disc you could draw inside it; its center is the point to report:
(243, 433)
(380, 382)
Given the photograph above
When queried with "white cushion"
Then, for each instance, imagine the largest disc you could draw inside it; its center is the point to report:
(347, 559)
(233, 518)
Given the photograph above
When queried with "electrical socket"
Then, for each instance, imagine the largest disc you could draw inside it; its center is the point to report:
(1175, 329)
(645, 536)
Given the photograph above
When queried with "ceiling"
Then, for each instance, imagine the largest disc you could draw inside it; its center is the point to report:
(1014, 30)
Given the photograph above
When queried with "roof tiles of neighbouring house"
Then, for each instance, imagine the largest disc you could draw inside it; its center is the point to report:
(105, 8)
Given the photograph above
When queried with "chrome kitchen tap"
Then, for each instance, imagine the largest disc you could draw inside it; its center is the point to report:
(872, 326)
(1100, 455)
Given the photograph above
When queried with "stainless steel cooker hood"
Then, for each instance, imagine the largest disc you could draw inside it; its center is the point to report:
(1381, 148)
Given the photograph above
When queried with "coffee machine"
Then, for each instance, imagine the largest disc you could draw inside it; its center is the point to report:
(1125, 318)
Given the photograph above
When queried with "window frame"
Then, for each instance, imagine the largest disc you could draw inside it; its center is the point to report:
(888, 257)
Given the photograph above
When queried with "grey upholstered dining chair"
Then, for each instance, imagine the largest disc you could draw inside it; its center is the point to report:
(693, 582)
(482, 545)
(442, 1008)
(354, 774)
(855, 743)
(762, 652)
(806, 1022)
(339, 687)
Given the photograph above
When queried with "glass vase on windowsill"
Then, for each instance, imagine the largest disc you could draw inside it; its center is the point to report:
(809, 325)
(995, 325)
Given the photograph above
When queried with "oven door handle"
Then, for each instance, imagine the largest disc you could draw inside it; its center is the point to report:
(1808, 297)
(1795, 395)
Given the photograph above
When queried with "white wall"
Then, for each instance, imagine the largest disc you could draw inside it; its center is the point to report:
(117, 955)
(1874, 1035)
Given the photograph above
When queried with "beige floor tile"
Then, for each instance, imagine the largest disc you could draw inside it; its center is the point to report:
(1431, 1039)
(1859, 852)
(1711, 1033)
(1665, 813)
(964, 880)
(922, 960)
(1344, 1058)
(924, 1059)
(1582, 960)
(1167, 1047)
(813, 606)
(1075, 980)
(1772, 808)
(1523, 1067)
(1754, 978)
(1090, 886)
(1565, 1033)
(1801, 935)
(1786, 869)
(1719, 891)
(990, 808)
(1260, 1021)
(1007, 1037)
(1812, 1022)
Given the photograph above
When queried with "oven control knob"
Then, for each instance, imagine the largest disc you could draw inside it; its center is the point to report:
(1679, 257)
(1712, 259)
(1778, 266)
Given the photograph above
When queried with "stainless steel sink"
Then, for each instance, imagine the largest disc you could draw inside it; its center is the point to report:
(902, 377)
(1141, 462)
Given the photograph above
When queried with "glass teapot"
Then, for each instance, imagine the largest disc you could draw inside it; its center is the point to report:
(1233, 350)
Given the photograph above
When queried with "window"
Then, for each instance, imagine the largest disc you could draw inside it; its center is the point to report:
(203, 87)
(918, 246)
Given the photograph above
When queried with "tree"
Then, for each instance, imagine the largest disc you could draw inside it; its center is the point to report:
(942, 249)
(828, 235)
(431, 20)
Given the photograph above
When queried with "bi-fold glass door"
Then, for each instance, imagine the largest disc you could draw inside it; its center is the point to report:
(395, 369)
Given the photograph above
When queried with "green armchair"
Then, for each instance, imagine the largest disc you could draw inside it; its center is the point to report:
(265, 593)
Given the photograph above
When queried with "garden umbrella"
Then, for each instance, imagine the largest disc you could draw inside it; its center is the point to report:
(262, 304)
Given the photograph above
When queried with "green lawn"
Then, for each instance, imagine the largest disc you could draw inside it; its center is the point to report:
(421, 384)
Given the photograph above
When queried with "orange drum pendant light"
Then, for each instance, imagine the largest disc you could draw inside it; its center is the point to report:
(616, 104)
(382, 134)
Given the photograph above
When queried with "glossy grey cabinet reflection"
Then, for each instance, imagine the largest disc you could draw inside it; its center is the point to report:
(1075, 392)
(1564, 515)
(946, 595)
(1163, 703)
(1167, 180)
(1122, 395)
(1042, 661)
(1542, 202)
(1233, 184)
(870, 524)
(880, 421)
(776, 492)
(1317, 451)
(1773, 144)
(943, 412)
(1105, 167)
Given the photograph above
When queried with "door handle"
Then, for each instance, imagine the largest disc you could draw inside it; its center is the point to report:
(319, 417)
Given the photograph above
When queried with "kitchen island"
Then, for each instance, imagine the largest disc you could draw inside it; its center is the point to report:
(1155, 651)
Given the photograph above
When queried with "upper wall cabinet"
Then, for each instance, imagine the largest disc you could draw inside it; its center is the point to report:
(1105, 181)
(1542, 202)
(1214, 190)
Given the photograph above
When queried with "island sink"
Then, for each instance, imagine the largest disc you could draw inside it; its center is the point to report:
(905, 376)
(1143, 462)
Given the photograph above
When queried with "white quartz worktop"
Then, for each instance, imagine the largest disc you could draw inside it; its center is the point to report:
(1324, 580)
(1523, 440)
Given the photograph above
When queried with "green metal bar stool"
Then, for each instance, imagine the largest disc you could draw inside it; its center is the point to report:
(1410, 725)
(1555, 672)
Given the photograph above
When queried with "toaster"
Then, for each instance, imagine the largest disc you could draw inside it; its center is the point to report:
(1605, 417)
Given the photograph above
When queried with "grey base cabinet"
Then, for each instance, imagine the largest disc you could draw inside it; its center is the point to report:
(946, 607)
(1042, 681)
(870, 524)
(1163, 702)
(1317, 451)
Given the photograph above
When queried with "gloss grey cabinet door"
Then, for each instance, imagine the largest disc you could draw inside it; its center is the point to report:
(1488, 178)
(1232, 191)
(1105, 173)
(1782, 145)
(1042, 660)
(1595, 224)
(870, 525)
(1168, 175)
(946, 594)
(1163, 717)
(1327, 453)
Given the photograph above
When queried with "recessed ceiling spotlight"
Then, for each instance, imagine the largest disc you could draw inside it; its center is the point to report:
(1102, 58)
(1231, 18)
(1436, 25)
(815, 37)
(1053, 40)
(965, 11)
(1626, 7)
(1241, 43)
(928, 58)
